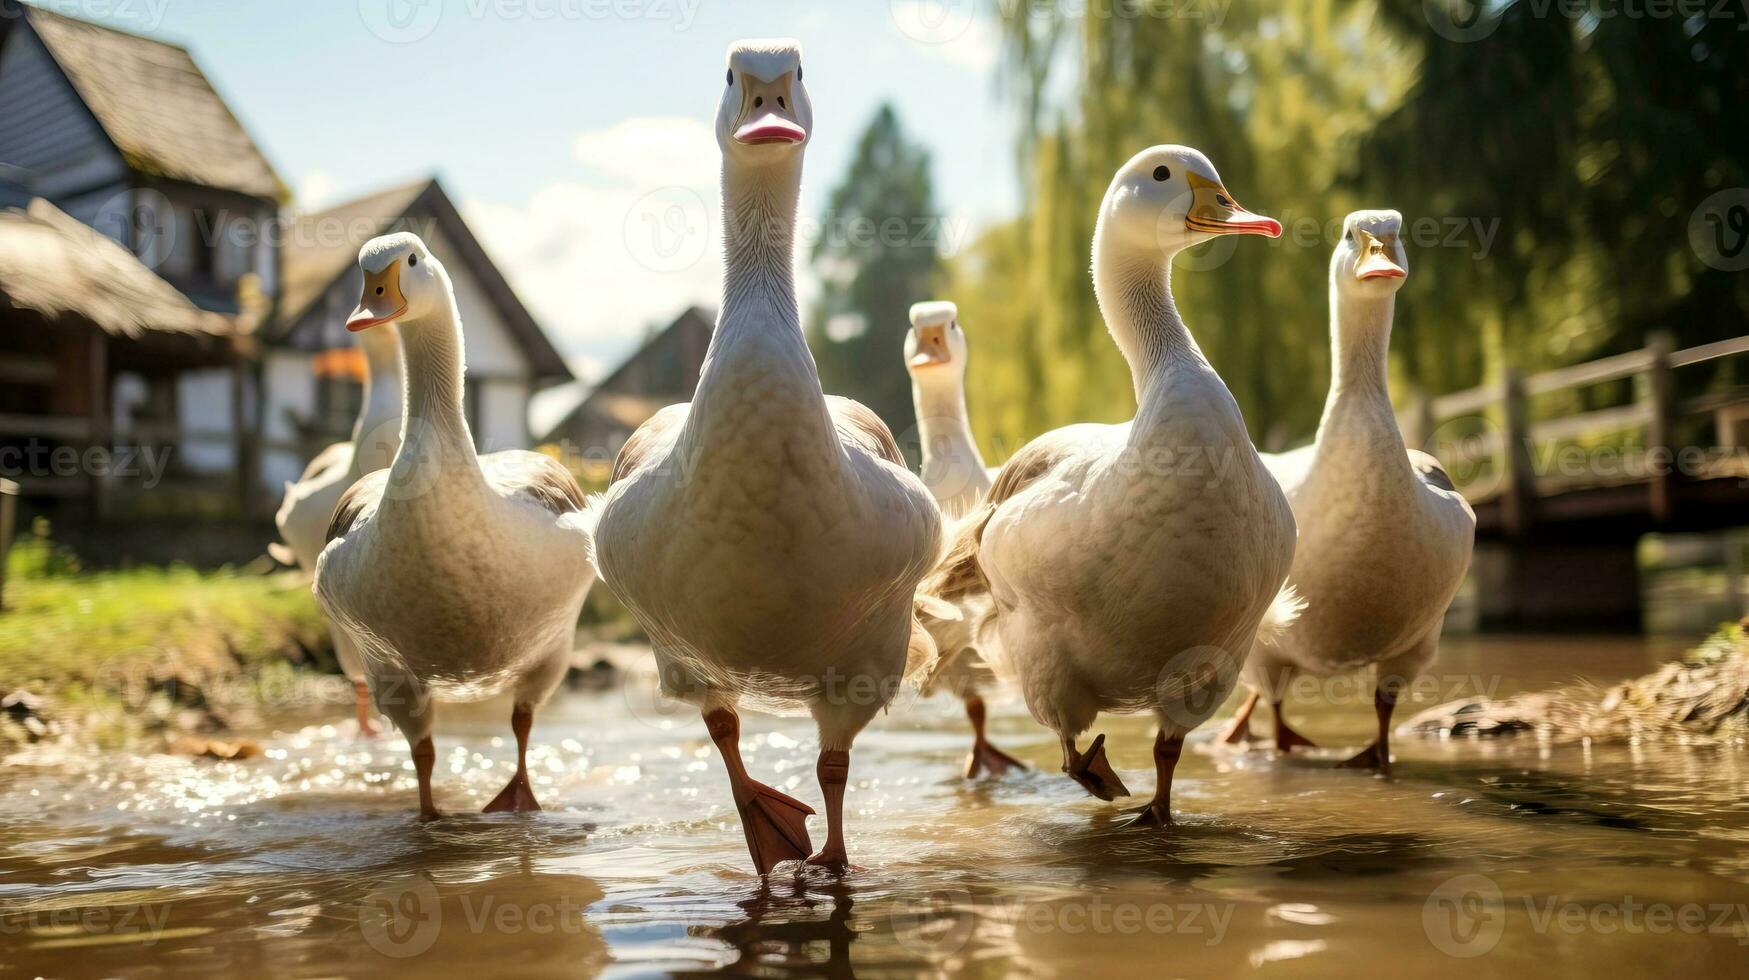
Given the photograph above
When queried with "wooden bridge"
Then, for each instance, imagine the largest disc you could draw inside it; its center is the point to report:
(1563, 490)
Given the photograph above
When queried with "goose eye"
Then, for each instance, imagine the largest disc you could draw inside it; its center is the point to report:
(1349, 236)
(729, 79)
(798, 71)
(412, 260)
(1162, 173)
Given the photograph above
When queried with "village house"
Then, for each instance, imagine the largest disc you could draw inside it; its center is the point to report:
(662, 372)
(160, 303)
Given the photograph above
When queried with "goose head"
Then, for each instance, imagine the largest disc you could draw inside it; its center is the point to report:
(401, 282)
(935, 347)
(1168, 198)
(765, 115)
(1369, 258)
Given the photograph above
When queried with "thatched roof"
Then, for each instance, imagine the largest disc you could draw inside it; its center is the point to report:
(156, 106)
(61, 269)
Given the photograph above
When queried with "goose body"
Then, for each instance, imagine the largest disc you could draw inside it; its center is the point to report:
(1131, 565)
(768, 537)
(936, 350)
(459, 576)
(308, 504)
(1384, 537)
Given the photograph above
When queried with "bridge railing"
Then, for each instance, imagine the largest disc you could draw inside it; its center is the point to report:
(1495, 448)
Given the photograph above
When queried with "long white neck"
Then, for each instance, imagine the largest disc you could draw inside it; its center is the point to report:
(1360, 344)
(435, 426)
(377, 432)
(942, 421)
(759, 228)
(1134, 289)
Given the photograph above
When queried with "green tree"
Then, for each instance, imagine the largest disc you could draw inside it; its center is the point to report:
(876, 254)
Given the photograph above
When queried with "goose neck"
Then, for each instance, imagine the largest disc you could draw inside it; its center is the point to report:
(435, 418)
(942, 420)
(759, 227)
(1134, 290)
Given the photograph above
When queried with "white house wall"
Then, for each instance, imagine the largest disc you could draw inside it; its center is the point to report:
(204, 405)
(290, 382)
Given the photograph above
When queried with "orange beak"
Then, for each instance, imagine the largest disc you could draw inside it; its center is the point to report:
(1377, 262)
(381, 301)
(1213, 211)
(931, 347)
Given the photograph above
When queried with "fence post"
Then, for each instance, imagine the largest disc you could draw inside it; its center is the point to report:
(1660, 429)
(1518, 501)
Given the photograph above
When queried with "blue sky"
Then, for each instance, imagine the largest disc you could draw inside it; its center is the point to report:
(556, 123)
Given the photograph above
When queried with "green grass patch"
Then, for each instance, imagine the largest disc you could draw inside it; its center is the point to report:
(148, 640)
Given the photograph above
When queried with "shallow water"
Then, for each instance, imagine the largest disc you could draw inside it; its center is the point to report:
(1472, 858)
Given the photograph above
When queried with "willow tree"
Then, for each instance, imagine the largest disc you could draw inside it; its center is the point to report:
(1275, 98)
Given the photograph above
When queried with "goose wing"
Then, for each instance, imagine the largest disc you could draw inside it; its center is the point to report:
(859, 426)
(534, 477)
(649, 442)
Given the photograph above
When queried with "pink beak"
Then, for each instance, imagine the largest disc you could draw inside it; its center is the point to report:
(770, 128)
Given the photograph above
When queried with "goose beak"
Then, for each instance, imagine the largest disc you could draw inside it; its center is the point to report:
(931, 347)
(1377, 263)
(1213, 211)
(770, 127)
(381, 301)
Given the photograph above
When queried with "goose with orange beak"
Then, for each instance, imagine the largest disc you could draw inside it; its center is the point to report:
(953, 469)
(1124, 575)
(459, 576)
(1385, 538)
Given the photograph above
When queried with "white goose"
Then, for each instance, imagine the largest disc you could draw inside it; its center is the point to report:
(935, 355)
(1131, 565)
(309, 503)
(456, 574)
(1384, 538)
(767, 537)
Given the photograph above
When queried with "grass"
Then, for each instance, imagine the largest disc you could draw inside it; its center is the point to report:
(122, 652)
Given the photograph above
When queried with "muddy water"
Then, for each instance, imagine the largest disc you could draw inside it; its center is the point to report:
(1471, 860)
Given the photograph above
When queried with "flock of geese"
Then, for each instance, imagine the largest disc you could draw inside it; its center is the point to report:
(772, 543)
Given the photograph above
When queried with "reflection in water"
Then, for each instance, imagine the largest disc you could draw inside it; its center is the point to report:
(308, 861)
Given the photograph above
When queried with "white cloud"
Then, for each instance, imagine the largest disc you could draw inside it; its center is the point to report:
(315, 191)
(652, 151)
(949, 31)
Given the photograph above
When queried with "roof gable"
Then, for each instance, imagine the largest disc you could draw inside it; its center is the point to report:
(323, 247)
(156, 106)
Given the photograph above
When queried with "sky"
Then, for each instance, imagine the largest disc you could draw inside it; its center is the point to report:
(576, 136)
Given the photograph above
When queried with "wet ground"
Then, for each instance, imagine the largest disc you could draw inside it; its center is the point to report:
(1472, 859)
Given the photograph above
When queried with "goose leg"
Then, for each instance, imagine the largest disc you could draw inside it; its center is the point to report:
(775, 824)
(366, 724)
(517, 796)
(984, 755)
(424, 757)
(833, 772)
(1286, 739)
(1240, 730)
(1092, 770)
(1158, 813)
